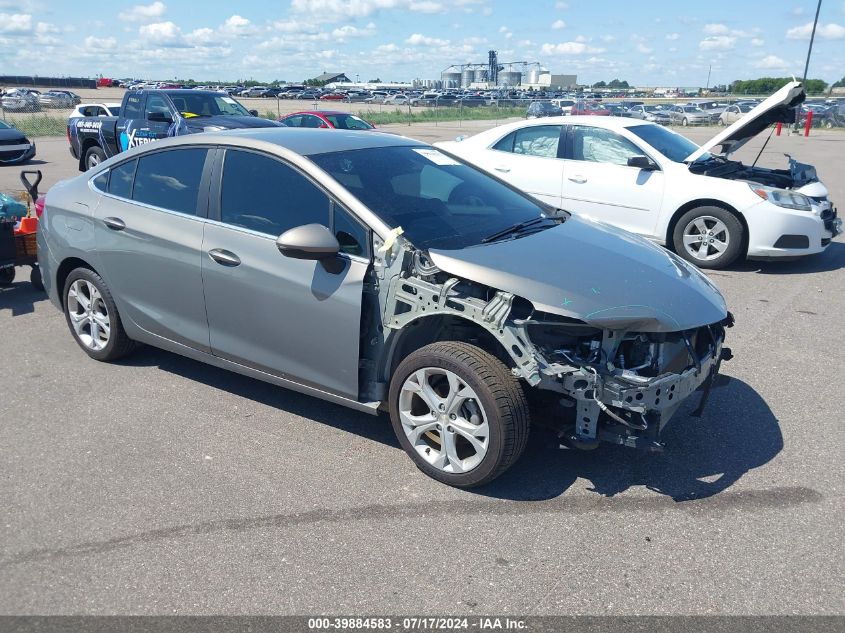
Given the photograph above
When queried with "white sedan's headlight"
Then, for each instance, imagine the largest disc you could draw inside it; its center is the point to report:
(782, 197)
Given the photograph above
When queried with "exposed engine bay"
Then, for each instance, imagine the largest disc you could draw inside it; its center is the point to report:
(602, 384)
(797, 175)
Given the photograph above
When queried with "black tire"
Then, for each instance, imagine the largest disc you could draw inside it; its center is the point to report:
(94, 156)
(500, 395)
(735, 230)
(828, 124)
(35, 279)
(7, 276)
(685, 122)
(119, 344)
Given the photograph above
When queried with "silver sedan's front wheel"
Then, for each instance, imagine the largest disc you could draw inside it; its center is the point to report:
(459, 413)
(443, 420)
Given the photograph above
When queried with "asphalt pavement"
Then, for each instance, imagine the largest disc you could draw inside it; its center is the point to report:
(160, 485)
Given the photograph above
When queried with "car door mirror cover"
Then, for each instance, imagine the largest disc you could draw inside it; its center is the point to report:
(642, 162)
(309, 241)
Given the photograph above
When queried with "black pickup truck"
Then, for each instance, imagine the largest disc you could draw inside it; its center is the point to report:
(148, 115)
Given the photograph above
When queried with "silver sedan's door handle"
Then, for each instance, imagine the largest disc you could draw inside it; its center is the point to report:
(502, 169)
(224, 257)
(578, 179)
(115, 224)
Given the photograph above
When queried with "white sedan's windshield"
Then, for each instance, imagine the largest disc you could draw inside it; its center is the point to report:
(671, 144)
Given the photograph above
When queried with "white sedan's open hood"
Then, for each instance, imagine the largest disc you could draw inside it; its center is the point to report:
(779, 108)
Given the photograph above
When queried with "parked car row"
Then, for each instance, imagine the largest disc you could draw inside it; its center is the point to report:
(31, 100)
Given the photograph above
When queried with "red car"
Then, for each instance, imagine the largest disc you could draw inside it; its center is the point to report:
(589, 109)
(326, 119)
(333, 96)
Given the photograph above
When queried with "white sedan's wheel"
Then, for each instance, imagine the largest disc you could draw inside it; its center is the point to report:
(709, 237)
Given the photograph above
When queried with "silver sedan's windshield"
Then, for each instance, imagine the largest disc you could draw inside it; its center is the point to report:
(438, 201)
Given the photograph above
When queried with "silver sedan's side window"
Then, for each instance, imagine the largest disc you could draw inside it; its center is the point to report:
(598, 145)
(263, 194)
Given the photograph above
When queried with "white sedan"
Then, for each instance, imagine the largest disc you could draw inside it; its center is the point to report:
(95, 109)
(650, 180)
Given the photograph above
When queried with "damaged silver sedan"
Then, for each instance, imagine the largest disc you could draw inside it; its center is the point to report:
(383, 274)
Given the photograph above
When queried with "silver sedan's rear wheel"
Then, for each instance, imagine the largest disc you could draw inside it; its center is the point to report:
(459, 413)
(88, 315)
(92, 316)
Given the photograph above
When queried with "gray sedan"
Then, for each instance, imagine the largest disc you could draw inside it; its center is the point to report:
(380, 273)
(651, 113)
(689, 115)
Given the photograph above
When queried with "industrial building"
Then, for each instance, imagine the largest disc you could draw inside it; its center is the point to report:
(523, 74)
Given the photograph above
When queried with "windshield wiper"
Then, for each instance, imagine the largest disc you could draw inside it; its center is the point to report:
(516, 228)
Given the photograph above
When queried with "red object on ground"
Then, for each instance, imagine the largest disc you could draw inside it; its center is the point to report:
(104, 82)
(778, 129)
(28, 225)
(808, 123)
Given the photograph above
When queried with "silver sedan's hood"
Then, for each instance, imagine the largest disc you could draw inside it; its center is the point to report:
(596, 273)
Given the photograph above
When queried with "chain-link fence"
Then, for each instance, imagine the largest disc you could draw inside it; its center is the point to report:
(38, 119)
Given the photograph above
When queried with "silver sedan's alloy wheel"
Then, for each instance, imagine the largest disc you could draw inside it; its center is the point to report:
(88, 314)
(443, 420)
(706, 238)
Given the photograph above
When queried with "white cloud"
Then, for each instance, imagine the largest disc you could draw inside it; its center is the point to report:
(165, 34)
(426, 6)
(561, 5)
(238, 26)
(418, 39)
(717, 42)
(757, 41)
(15, 23)
(715, 29)
(771, 62)
(569, 48)
(362, 8)
(608, 38)
(143, 12)
(100, 44)
(645, 50)
(828, 31)
(673, 36)
(558, 24)
(348, 31)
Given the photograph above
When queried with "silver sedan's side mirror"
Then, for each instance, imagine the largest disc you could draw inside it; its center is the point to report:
(309, 241)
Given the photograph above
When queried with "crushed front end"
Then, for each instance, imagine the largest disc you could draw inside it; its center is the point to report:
(622, 386)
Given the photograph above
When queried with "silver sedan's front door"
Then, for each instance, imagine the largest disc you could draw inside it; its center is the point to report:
(294, 318)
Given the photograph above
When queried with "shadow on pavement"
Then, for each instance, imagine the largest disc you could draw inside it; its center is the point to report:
(373, 428)
(703, 457)
(20, 297)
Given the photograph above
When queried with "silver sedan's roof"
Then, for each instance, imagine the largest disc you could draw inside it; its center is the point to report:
(308, 141)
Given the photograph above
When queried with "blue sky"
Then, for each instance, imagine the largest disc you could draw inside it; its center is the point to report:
(647, 43)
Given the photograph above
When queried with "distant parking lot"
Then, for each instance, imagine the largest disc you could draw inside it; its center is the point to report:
(159, 485)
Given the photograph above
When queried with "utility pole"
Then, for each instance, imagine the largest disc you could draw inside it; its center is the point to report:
(707, 87)
(807, 63)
